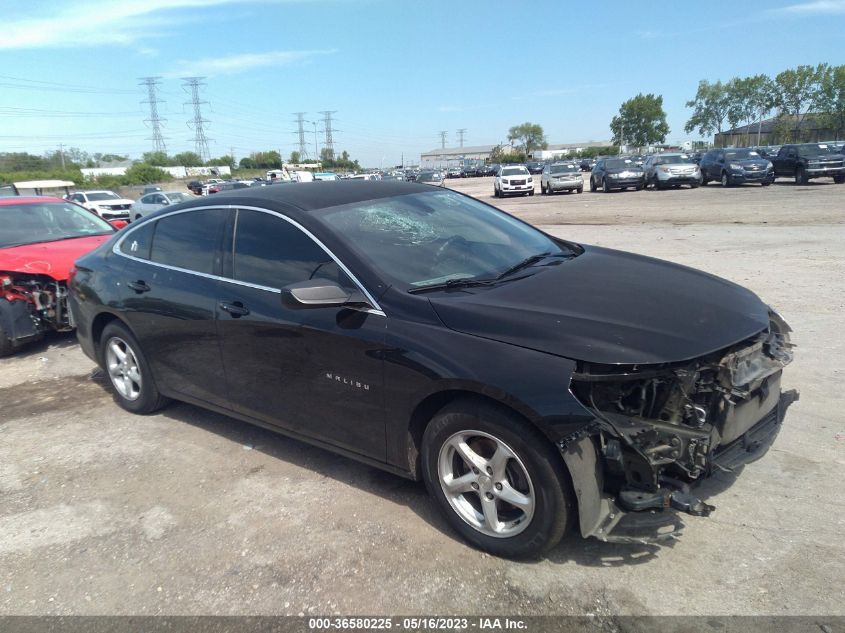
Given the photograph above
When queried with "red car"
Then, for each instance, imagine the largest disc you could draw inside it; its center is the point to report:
(40, 238)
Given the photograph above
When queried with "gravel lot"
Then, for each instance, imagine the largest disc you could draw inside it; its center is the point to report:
(189, 512)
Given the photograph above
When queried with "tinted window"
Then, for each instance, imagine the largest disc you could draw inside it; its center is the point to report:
(189, 240)
(272, 252)
(138, 242)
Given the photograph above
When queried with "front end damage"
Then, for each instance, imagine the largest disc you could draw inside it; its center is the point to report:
(659, 430)
(30, 305)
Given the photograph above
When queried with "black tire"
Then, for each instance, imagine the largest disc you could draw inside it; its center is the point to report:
(149, 400)
(542, 189)
(704, 178)
(839, 179)
(604, 186)
(531, 193)
(551, 488)
(765, 183)
(5, 343)
(495, 192)
(639, 187)
(726, 179)
(592, 185)
(801, 176)
(580, 189)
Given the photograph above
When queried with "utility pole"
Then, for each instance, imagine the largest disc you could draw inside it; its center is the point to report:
(62, 154)
(461, 133)
(193, 85)
(303, 148)
(316, 153)
(443, 139)
(155, 121)
(327, 124)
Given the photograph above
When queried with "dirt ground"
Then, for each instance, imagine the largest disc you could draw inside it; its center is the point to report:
(190, 512)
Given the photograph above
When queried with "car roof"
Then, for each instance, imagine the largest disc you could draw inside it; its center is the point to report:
(11, 200)
(311, 196)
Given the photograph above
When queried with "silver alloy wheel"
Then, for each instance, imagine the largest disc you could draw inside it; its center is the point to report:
(486, 483)
(122, 365)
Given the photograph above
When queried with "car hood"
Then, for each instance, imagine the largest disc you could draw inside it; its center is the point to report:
(101, 203)
(610, 307)
(53, 259)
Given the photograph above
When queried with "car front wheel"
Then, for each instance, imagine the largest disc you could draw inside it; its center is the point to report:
(128, 371)
(498, 482)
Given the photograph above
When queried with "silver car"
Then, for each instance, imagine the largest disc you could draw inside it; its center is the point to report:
(671, 170)
(561, 177)
(155, 201)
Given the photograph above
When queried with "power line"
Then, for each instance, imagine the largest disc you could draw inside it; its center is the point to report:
(200, 139)
(461, 133)
(303, 147)
(443, 139)
(327, 123)
(155, 121)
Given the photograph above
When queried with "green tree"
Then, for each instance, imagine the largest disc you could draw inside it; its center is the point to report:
(295, 158)
(750, 100)
(160, 159)
(144, 174)
(527, 137)
(247, 163)
(710, 108)
(832, 100)
(188, 159)
(798, 91)
(223, 160)
(641, 121)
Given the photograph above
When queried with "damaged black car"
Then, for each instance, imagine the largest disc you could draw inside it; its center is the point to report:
(534, 384)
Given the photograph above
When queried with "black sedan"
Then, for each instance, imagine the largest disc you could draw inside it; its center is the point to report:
(533, 383)
(616, 173)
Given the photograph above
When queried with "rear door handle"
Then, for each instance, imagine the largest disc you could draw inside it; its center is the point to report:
(139, 286)
(236, 308)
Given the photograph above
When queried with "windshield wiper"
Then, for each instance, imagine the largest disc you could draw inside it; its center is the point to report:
(530, 261)
(464, 282)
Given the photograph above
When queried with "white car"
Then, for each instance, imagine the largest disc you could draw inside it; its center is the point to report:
(107, 204)
(155, 201)
(513, 179)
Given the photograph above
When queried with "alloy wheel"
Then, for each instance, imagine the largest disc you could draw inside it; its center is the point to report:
(486, 483)
(122, 365)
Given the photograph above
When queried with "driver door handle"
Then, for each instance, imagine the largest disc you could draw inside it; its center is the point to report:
(235, 308)
(139, 286)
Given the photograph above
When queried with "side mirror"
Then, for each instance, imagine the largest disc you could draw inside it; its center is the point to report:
(315, 293)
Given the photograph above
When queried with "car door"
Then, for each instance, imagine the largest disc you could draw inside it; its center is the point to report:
(169, 293)
(316, 371)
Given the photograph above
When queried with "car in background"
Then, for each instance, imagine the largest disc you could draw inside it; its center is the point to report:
(155, 201)
(513, 179)
(561, 177)
(735, 167)
(396, 177)
(364, 177)
(535, 166)
(486, 170)
(431, 178)
(231, 186)
(40, 238)
(453, 172)
(616, 173)
(587, 164)
(469, 171)
(107, 204)
(195, 187)
(804, 161)
(534, 384)
(671, 170)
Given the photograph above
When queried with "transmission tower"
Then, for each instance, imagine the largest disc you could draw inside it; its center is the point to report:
(327, 124)
(461, 133)
(443, 139)
(155, 121)
(193, 85)
(303, 146)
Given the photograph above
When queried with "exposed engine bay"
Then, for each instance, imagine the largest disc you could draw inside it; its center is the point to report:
(660, 428)
(34, 304)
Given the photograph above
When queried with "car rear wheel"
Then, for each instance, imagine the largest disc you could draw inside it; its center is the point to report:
(128, 371)
(839, 179)
(498, 482)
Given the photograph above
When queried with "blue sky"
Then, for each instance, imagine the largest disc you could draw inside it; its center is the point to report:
(395, 71)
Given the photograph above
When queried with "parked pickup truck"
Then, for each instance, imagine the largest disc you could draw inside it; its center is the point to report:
(809, 160)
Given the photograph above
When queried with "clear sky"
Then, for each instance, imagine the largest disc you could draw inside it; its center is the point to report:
(396, 71)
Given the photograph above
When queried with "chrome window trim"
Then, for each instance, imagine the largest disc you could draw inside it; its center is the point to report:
(375, 309)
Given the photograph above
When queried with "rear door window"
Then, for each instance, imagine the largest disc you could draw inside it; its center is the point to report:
(137, 243)
(190, 240)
